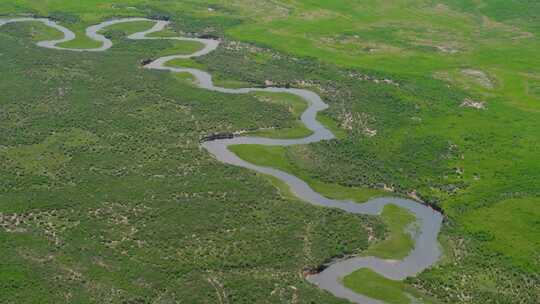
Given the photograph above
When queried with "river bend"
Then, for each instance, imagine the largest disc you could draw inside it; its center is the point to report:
(426, 251)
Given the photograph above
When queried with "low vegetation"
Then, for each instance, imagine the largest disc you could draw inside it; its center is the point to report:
(367, 282)
(106, 196)
(373, 285)
(276, 157)
(398, 241)
(81, 134)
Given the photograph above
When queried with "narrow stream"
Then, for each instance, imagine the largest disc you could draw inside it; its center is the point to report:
(426, 251)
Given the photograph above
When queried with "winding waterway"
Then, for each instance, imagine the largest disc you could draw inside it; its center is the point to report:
(426, 251)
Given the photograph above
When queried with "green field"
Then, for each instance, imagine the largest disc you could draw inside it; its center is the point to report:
(276, 157)
(375, 286)
(367, 282)
(101, 169)
(105, 195)
(397, 243)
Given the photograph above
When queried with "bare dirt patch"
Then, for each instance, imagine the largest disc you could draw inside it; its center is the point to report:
(358, 122)
(318, 14)
(479, 77)
(469, 103)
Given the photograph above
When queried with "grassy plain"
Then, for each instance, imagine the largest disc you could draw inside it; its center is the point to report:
(375, 286)
(477, 159)
(480, 165)
(370, 283)
(276, 157)
(398, 243)
(296, 107)
(105, 195)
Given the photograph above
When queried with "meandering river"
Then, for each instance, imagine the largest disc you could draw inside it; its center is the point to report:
(426, 251)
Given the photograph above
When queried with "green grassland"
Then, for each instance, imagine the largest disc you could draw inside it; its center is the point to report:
(480, 165)
(375, 286)
(296, 107)
(367, 282)
(460, 158)
(105, 195)
(276, 157)
(398, 242)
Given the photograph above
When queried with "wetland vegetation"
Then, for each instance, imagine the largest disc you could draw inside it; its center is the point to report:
(105, 194)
